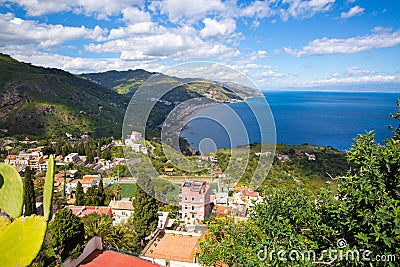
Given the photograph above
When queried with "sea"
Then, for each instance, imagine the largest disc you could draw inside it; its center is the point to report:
(302, 117)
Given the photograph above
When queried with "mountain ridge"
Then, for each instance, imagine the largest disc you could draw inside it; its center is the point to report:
(50, 102)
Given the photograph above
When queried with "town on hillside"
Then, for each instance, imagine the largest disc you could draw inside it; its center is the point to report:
(92, 177)
(114, 220)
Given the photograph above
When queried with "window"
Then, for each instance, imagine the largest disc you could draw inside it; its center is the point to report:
(192, 207)
(123, 213)
(185, 198)
(193, 199)
(186, 207)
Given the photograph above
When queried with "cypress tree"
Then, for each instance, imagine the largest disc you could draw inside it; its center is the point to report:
(145, 211)
(79, 195)
(29, 194)
(101, 187)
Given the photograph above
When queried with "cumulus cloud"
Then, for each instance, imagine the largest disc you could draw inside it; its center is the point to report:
(135, 15)
(304, 9)
(258, 9)
(17, 31)
(188, 10)
(178, 44)
(380, 38)
(142, 28)
(101, 9)
(356, 10)
(214, 28)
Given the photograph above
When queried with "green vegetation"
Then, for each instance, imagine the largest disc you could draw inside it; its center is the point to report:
(119, 237)
(50, 102)
(79, 195)
(112, 192)
(68, 234)
(145, 215)
(127, 190)
(296, 170)
(29, 194)
(93, 197)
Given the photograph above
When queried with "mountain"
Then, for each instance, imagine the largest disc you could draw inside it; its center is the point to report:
(120, 81)
(51, 102)
(48, 102)
(127, 83)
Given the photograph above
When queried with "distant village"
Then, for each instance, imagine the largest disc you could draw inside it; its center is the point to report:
(176, 239)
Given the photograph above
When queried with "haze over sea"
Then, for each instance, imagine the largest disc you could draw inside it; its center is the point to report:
(320, 118)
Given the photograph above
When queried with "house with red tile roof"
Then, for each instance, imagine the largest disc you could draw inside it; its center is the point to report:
(94, 255)
(81, 211)
(245, 196)
(175, 248)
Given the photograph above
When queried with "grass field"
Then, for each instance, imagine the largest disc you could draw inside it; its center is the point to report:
(127, 190)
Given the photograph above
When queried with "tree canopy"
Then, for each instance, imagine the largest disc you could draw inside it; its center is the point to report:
(68, 234)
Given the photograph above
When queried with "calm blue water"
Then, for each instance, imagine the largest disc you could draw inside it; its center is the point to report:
(321, 118)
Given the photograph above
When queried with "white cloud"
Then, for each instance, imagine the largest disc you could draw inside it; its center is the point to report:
(304, 9)
(356, 80)
(17, 31)
(256, 55)
(188, 10)
(215, 28)
(142, 28)
(134, 15)
(353, 72)
(356, 10)
(380, 38)
(101, 9)
(258, 9)
(175, 43)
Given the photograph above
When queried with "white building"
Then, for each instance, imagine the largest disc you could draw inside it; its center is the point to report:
(133, 138)
(72, 158)
(122, 210)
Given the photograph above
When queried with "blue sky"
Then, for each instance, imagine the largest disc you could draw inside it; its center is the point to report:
(277, 43)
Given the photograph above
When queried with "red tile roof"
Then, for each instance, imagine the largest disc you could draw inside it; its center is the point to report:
(77, 210)
(250, 193)
(102, 258)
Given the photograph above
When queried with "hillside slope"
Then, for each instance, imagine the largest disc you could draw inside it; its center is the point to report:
(51, 102)
(127, 82)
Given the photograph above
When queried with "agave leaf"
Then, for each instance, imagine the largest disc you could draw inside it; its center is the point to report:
(12, 191)
(21, 240)
(48, 189)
